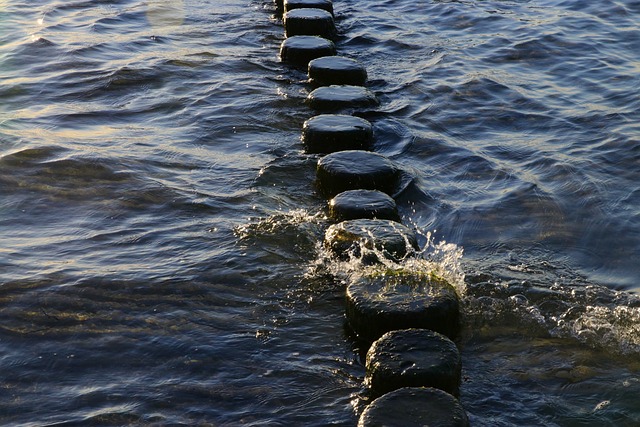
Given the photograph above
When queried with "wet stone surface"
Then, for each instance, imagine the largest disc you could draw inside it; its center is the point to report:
(299, 50)
(337, 70)
(370, 239)
(328, 133)
(309, 22)
(393, 300)
(305, 4)
(415, 407)
(336, 97)
(355, 204)
(413, 358)
(354, 169)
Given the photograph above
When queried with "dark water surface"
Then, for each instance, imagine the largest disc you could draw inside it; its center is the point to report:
(159, 260)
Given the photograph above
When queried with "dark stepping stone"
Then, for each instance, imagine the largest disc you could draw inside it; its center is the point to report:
(308, 4)
(399, 299)
(309, 22)
(356, 204)
(354, 170)
(414, 407)
(370, 239)
(413, 358)
(328, 133)
(299, 50)
(336, 97)
(336, 70)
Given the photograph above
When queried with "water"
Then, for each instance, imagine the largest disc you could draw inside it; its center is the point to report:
(159, 258)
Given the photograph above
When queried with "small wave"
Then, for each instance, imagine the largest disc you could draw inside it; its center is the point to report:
(593, 315)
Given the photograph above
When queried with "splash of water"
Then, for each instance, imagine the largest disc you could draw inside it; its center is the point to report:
(593, 315)
(438, 258)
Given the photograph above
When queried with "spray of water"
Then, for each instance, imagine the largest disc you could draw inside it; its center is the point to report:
(441, 259)
(542, 301)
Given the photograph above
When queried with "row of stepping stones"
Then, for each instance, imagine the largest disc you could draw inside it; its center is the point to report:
(406, 319)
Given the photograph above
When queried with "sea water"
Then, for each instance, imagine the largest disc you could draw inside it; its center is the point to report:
(160, 256)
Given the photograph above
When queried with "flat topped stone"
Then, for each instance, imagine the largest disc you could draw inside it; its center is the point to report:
(356, 169)
(355, 204)
(327, 133)
(399, 299)
(306, 4)
(413, 358)
(414, 407)
(299, 50)
(337, 70)
(370, 239)
(309, 22)
(336, 97)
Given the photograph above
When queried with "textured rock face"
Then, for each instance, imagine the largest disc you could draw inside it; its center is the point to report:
(414, 407)
(413, 358)
(402, 300)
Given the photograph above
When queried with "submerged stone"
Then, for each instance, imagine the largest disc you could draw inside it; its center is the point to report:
(413, 358)
(355, 204)
(336, 70)
(399, 299)
(355, 169)
(414, 407)
(309, 22)
(336, 97)
(370, 239)
(299, 50)
(328, 133)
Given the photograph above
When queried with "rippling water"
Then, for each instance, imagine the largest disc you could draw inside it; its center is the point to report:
(159, 260)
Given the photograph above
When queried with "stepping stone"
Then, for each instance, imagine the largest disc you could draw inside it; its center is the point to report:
(399, 299)
(413, 358)
(336, 97)
(309, 22)
(370, 240)
(357, 204)
(414, 407)
(336, 70)
(306, 4)
(354, 170)
(299, 50)
(328, 133)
